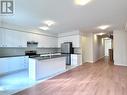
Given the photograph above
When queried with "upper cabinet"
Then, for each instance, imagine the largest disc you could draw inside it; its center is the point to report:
(15, 39)
(75, 39)
(43, 41)
(48, 42)
(11, 38)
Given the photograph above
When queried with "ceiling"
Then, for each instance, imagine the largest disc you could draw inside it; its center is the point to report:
(68, 16)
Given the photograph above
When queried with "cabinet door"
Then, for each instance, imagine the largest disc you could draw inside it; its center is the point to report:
(14, 39)
(40, 41)
(74, 60)
(11, 38)
(22, 40)
(51, 42)
(23, 62)
(12, 64)
(30, 37)
(18, 63)
(2, 37)
(75, 39)
(79, 59)
(3, 65)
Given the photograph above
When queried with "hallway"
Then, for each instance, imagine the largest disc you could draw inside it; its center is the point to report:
(99, 78)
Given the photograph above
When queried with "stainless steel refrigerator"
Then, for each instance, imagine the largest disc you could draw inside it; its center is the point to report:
(66, 48)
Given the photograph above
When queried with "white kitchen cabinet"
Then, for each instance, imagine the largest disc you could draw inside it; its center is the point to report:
(18, 63)
(45, 41)
(2, 38)
(13, 38)
(75, 39)
(76, 59)
(11, 64)
(22, 40)
(3, 65)
(39, 69)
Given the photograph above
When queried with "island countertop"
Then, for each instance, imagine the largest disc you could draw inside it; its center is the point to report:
(45, 66)
(48, 57)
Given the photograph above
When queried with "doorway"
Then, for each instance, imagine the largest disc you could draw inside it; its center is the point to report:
(108, 45)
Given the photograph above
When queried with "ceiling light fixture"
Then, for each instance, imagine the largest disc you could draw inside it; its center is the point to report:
(100, 34)
(82, 2)
(49, 22)
(103, 27)
(106, 38)
(44, 28)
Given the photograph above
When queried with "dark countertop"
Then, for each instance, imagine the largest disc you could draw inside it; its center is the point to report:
(12, 56)
(53, 56)
(78, 53)
(48, 57)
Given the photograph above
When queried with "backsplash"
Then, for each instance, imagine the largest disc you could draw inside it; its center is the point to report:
(21, 51)
(76, 50)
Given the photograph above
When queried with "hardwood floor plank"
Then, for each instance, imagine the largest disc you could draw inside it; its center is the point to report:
(99, 78)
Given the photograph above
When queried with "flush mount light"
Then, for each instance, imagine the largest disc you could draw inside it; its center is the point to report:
(100, 34)
(49, 22)
(82, 2)
(103, 27)
(106, 38)
(44, 28)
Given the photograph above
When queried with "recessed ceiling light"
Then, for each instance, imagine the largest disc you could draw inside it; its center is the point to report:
(82, 2)
(103, 27)
(49, 22)
(44, 28)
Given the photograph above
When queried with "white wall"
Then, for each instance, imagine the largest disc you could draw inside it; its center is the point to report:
(73, 37)
(98, 47)
(87, 47)
(92, 47)
(120, 48)
(83, 49)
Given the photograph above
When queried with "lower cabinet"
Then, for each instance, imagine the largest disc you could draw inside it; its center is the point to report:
(11, 64)
(76, 59)
(39, 69)
(3, 65)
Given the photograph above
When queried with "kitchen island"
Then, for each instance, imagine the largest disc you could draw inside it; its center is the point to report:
(46, 66)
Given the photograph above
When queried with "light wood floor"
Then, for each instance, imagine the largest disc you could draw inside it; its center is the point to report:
(99, 78)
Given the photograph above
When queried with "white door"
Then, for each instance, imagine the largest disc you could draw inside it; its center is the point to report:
(108, 45)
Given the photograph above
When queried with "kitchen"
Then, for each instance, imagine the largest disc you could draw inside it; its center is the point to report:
(59, 47)
(18, 49)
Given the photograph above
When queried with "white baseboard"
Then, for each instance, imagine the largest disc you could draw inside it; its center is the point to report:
(120, 64)
(95, 60)
(99, 59)
(89, 62)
